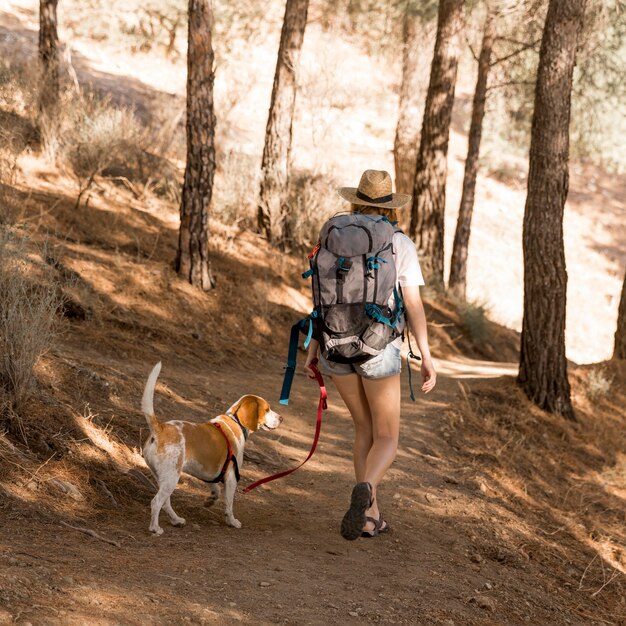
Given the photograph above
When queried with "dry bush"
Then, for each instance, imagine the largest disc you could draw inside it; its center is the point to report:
(313, 200)
(598, 383)
(28, 322)
(236, 190)
(96, 135)
(10, 206)
(17, 133)
(18, 87)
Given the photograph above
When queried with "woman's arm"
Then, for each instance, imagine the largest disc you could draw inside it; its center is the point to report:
(417, 323)
(311, 356)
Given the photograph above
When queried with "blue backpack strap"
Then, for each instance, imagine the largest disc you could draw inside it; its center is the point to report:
(292, 357)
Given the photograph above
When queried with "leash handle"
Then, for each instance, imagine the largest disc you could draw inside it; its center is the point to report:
(321, 406)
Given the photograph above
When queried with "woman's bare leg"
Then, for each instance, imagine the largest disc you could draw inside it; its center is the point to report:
(383, 401)
(351, 391)
(375, 408)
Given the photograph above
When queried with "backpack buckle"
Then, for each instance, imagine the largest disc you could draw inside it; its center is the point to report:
(344, 264)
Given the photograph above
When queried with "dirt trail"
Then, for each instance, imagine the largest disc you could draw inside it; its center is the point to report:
(461, 553)
(288, 564)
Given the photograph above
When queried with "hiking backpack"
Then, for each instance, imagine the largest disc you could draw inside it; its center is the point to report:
(354, 276)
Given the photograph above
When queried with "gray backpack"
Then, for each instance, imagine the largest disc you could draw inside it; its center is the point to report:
(354, 281)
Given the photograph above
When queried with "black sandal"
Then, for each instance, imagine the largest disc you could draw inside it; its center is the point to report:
(378, 529)
(355, 518)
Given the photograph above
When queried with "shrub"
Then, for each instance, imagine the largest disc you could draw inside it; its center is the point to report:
(313, 199)
(9, 202)
(96, 135)
(236, 189)
(28, 321)
(474, 317)
(598, 384)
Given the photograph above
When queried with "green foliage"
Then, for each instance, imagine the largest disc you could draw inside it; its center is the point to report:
(161, 25)
(599, 99)
(378, 25)
(474, 316)
(598, 93)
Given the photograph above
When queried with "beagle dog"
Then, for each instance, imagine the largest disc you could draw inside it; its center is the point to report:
(212, 451)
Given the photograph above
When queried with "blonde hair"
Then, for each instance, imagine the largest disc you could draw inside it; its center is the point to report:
(390, 214)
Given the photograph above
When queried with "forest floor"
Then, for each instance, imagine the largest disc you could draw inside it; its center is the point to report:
(487, 528)
(501, 514)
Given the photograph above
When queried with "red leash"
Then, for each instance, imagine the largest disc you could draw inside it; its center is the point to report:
(318, 427)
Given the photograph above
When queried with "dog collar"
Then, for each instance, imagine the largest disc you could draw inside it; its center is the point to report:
(244, 430)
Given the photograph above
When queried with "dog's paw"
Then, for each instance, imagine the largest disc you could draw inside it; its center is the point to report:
(179, 521)
(235, 523)
(156, 531)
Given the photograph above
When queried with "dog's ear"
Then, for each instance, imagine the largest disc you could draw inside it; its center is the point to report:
(251, 411)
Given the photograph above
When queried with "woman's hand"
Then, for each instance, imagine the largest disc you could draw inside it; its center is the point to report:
(429, 376)
(311, 358)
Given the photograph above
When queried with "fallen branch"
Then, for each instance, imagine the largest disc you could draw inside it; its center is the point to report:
(182, 580)
(34, 475)
(93, 533)
(614, 575)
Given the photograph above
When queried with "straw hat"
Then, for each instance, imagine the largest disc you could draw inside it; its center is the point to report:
(375, 190)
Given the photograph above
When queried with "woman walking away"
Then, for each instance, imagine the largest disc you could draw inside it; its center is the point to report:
(370, 385)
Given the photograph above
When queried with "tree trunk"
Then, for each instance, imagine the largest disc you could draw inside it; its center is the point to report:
(273, 212)
(543, 366)
(410, 113)
(192, 262)
(458, 266)
(48, 56)
(429, 192)
(620, 334)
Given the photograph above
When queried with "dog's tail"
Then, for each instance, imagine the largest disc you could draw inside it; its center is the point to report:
(148, 396)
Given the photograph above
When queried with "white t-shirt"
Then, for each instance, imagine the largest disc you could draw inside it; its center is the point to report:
(407, 263)
(407, 267)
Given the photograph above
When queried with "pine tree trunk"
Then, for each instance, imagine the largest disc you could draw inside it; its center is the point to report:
(458, 266)
(192, 262)
(273, 212)
(543, 366)
(620, 334)
(48, 56)
(410, 113)
(429, 192)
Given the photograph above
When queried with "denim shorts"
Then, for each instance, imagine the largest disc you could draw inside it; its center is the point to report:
(387, 363)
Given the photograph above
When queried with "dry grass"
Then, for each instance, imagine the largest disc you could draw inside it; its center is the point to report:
(28, 323)
(94, 136)
(561, 479)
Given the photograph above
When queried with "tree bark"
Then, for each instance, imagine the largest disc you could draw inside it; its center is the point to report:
(410, 109)
(192, 262)
(48, 56)
(620, 334)
(429, 192)
(273, 211)
(543, 365)
(458, 265)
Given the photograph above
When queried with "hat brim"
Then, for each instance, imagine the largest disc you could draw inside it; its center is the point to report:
(398, 200)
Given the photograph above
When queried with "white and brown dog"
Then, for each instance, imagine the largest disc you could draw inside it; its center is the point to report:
(212, 451)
